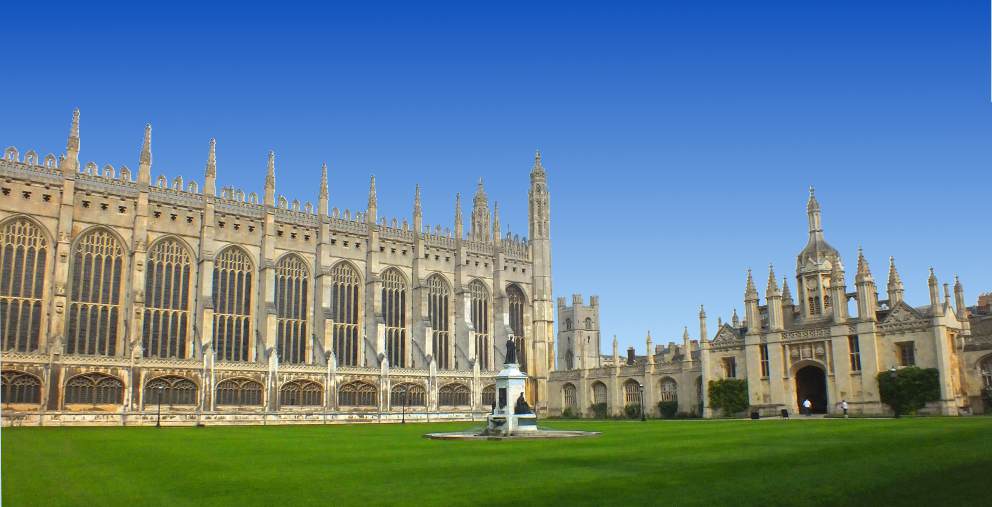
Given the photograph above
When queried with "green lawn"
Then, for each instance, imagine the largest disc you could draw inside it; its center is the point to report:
(938, 461)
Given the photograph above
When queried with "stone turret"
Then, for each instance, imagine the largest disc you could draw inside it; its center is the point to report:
(145, 159)
(210, 172)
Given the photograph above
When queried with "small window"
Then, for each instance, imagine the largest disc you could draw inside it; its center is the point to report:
(764, 360)
(730, 367)
(854, 348)
(907, 356)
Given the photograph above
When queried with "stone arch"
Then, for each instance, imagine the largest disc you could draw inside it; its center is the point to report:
(569, 397)
(455, 394)
(94, 388)
(233, 292)
(20, 387)
(358, 394)
(239, 391)
(94, 316)
(169, 285)
(669, 389)
(292, 298)
(301, 393)
(31, 158)
(410, 394)
(173, 390)
(810, 379)
(11, 154)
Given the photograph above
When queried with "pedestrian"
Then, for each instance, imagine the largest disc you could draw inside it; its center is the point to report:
(807, 407)
(843, 405)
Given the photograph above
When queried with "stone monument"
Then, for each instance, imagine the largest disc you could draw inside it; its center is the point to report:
(511, 415)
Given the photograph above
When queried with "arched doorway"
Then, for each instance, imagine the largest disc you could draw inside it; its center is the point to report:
(811, 383)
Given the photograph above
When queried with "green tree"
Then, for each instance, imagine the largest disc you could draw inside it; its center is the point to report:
(907, 390)
(728, 395)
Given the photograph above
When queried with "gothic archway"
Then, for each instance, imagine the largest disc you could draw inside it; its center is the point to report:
(811, 383)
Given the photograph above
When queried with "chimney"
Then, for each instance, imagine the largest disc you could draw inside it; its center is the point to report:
(630, 356)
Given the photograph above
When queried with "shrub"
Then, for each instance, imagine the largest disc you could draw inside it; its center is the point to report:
(667, 409)
(599, 410)
(728, 395)
(908, 389)
(686, 415)
(632, 411)
(987, 398)
(568, 413)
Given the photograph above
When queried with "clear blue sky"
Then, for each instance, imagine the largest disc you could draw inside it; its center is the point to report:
(679, 137)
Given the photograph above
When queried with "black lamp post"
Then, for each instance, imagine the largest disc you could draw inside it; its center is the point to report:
(158, 416)
(641, 386)
(406, 394)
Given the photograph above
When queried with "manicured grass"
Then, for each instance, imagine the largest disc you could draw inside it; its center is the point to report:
(937, 461)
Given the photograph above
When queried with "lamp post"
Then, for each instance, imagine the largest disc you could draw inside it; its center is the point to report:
(406, 394)
(158, 416)
(641, 387)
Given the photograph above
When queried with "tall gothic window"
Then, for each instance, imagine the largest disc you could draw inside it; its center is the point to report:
(489, 396)
(357, 394)
(20, 387)
(569, 360)
(569, 397)
(167, 302)
(631, 393)
(480, 321)
(406, 394)
(23, 256)
(987, 372)
(516, 301)
(344, 313)
(232, 304)
(292, 291)
(669, 390)
(240, 392)
(438, 303)
(94, 389)
(453, 395)
(301, 393)
(172, 390)
(599, 393)
(394, 315)
(94, 315)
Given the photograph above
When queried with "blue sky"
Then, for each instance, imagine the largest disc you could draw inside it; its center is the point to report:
(679, 137)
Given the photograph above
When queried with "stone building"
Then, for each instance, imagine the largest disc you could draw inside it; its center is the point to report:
(813, 346)
(120, 291)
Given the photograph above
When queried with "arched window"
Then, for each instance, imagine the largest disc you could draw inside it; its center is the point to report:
(987, 372)
(232, 304)
(480, 321)
(357, 394)
(599, 393)
(438, 303)
(669, 390)
(569, 398)
(410, 395)
(588, 324)
(631, 392)
(516, 301)
(568, 324)
(94, 389)
(344, 312)
(489, 396)
(394, 315)
(292, 293)
(453, 395)
(167, 303)
(569, 360)
(173, 391)
(20, 387)
(240, 392)
(94, 316)
(301, 393)
(23, 257)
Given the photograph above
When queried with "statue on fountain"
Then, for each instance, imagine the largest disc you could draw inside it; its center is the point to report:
(522, 407)
(511, 352)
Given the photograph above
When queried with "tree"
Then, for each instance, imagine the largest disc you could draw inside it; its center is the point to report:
(907, 390)
(728, 395)
(668, 409)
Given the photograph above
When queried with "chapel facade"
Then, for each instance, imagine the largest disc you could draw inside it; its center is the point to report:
(813, 346)
(121, 293)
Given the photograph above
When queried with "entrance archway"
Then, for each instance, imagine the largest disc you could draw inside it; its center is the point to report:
(811, 383)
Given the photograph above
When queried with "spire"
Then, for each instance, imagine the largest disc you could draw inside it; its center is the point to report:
(649, 345)
(772, 290)
(480, 214)
(370, 217)
(864, 273)
(71, 160)
(934, 291)
(959, 300)
(817, 246)
(702, 326)
(538, 168)
(458, 216)
(322, 197)
(210, 173)
(786, 293)
(417, 209)
(145, 159)
(895, 287)
(685, 333)
(496, 226)
(947, 293)
(735, 320)
(270, 180)
(702, 312)
(837, 273)
(750, 293)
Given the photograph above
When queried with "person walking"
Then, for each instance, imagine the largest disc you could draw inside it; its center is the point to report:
(807, 407)
(843, 406)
